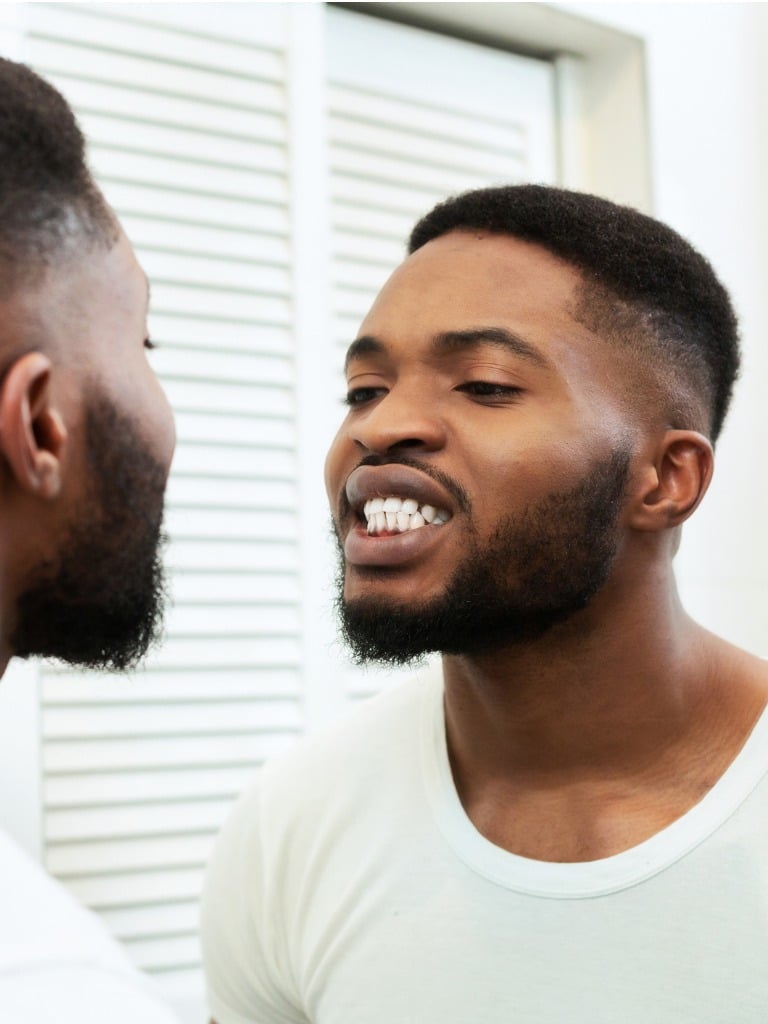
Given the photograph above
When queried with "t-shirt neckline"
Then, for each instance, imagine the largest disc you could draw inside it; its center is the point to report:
(588, 878)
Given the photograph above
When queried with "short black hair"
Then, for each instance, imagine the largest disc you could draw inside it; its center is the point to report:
(643, 281)
(48, 198)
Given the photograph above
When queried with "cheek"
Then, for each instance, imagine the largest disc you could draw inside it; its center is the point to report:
(166, 430)
(333, 468)
(153, 411)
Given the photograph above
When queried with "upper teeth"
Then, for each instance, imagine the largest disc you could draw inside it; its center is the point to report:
(396, 515)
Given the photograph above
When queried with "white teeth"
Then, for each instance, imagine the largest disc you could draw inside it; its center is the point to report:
(398, 515)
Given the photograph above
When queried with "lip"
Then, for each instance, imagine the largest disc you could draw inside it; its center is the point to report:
(401, 481)
(367, 482)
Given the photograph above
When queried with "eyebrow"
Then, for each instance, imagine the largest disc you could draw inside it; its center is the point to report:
(457, 341)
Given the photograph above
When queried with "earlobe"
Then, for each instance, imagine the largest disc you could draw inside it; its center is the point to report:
(674, 484)
(32, 434)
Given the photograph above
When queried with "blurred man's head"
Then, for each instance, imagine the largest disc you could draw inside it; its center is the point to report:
(86, 433)
(531, 400)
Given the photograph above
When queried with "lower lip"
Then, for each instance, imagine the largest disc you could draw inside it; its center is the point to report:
(396, 549)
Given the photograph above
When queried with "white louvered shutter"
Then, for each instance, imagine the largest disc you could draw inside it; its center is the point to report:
(267, 161)
(414, 117)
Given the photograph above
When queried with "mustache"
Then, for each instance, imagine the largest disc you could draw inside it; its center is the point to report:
(453, 487)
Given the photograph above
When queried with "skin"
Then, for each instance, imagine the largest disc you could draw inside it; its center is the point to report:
(81, 327)
(602, 732)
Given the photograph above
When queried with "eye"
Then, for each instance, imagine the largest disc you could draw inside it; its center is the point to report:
(361, 396)
(149, 344)
(489, 390)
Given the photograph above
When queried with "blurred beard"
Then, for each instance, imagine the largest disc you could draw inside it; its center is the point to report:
(100, 604)
(539, 569)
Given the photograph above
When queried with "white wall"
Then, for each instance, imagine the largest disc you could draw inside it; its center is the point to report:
(707, 82)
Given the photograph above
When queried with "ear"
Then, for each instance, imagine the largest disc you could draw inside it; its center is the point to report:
(32, 433)
(674, 483)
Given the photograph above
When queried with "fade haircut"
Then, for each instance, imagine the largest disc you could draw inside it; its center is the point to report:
(644, 286)
(50, 207)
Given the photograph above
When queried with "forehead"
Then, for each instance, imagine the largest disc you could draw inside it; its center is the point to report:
(464, 279)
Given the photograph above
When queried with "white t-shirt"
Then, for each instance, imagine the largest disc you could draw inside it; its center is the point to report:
(58, 965)
(349, 887)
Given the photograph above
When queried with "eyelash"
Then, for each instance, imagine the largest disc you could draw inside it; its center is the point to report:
(476, 388)
(488, 389)
(149, 344)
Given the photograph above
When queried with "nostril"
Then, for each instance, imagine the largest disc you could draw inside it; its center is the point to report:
(410, 442)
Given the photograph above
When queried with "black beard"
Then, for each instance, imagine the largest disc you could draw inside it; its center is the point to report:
(539, 569)
(100, 604)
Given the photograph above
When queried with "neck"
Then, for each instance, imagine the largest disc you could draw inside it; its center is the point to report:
(601, 694)
(602, 732)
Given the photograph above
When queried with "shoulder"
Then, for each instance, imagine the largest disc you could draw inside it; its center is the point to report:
(377, 729)
(327, 777)
(52, 950)
(324, 776)
(295, 838)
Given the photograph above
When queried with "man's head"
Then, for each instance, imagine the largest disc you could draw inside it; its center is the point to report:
(86, 433)
(548, 400)
(50, 207)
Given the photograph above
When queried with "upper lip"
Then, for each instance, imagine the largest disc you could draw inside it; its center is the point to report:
(367, 482)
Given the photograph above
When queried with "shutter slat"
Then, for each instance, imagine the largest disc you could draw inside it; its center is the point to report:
(201, 239)
(198, 718)
(179, 751)
(169, 140)
(443, 123)
(96, 27)
(167, 687)
(158, 75)
(230, 307)
(198, 179)
(142, 921)
(211, 462)
(218, 212)
(243, 368)
(137, 103)
(142, 887)
(140, 787)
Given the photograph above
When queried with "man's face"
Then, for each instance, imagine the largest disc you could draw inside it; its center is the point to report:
(94, 596)
(492, 419)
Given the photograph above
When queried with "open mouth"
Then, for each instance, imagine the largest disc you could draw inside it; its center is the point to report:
(395, 509)
(392, 515)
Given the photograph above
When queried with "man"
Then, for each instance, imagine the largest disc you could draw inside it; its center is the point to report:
(86, 440)
(567, 823)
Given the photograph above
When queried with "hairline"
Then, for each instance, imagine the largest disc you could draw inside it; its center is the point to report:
(596, 303)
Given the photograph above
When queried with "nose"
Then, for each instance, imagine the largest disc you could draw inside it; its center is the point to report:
(403, 418)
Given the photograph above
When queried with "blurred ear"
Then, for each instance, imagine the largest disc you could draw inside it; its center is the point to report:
(673, 485)
(32, 433)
